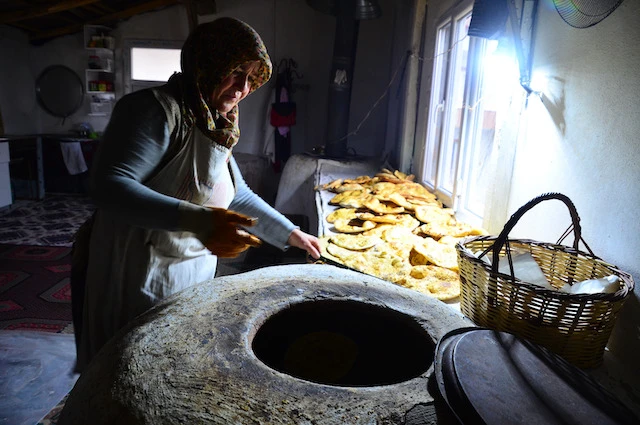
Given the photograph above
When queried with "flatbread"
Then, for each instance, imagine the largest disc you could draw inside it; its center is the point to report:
(324, 253)
(345, 187)
(419, 200)
(359, 179)
(379, 207)
(450, 240)
(415, 190)
(400, 200)
(354, 201)
(378, 230)
(331, 186)
(456, 229)
(437, 281)
(344, 225)
(348, 213)
(356, 242)
(342, 254)
(380, 263)
(401, 220)
(398, 248)
(362, 193)
(408, 222)
(432, 252)
(384, 218)
(383, 188)
(433, 213)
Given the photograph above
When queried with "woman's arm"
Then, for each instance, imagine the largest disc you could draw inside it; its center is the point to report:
(133, 145)
(272, 227)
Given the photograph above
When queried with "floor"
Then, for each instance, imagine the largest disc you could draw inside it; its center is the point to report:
(37, 366)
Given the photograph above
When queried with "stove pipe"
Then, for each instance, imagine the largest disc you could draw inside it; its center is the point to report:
(347, 13)
(344, 50)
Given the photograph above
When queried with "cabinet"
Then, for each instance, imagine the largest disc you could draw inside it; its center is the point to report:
(6, 197)
(99, 74)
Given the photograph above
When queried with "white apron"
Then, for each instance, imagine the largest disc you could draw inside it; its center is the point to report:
(131, 268)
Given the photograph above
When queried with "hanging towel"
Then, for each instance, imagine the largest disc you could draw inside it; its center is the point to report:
(284, 99)
(73, 157)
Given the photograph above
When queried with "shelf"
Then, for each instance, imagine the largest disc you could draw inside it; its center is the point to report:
(101, 50)
(100, 35)
(99, 70)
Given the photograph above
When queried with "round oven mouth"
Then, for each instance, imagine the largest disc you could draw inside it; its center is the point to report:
(344, 343)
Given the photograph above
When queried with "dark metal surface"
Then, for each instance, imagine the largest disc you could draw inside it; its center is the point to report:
(495, 378)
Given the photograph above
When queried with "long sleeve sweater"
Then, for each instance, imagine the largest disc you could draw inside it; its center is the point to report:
(136, 142)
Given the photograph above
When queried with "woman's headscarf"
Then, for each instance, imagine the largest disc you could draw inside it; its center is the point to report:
(209, 55)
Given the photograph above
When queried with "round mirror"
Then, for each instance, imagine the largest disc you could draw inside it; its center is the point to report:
(59, 90)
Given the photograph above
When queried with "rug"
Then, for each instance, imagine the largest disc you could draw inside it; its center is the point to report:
(35, 293)
(51, 222)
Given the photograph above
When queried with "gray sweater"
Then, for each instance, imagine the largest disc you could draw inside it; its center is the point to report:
(136, 142)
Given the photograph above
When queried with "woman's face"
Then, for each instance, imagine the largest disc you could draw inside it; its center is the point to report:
(233, 88)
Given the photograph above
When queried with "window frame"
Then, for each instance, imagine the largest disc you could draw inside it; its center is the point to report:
(130, 84)
(437, 108)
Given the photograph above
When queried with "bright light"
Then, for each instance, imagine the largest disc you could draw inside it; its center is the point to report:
(154, 64)
(501, 68)
(539, 82)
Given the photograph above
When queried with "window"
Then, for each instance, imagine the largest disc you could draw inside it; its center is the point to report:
(149, 63)
(469, 95)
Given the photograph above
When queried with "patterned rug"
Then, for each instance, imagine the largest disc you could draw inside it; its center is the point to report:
(35, 293)
(51, 222)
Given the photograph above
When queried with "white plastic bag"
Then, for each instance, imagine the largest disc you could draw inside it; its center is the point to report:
(607, 285)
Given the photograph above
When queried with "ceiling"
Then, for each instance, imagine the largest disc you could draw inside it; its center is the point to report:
(43, 20)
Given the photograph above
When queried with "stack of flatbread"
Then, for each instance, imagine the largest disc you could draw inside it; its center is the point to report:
(393, 228)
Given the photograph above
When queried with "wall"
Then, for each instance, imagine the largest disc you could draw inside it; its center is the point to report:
(22, 114)
(17, 83)
(290, 28)
(580, 139)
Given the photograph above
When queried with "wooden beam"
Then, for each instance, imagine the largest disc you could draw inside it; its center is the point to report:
(105, 8)
(135, 10)
(36, 12)
(123, 14)
(26, 28)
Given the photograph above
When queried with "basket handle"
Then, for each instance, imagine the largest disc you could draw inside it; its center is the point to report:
(501, 240)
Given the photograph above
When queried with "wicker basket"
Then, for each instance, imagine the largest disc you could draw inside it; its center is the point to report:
(575, 326)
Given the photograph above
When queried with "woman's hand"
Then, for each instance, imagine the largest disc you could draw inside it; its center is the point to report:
(227, 239)
(306, 242)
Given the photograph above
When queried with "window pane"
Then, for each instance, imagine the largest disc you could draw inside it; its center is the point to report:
(455, 110)
(434, 131)
(154, 64)
(483, 137)
(498, 75)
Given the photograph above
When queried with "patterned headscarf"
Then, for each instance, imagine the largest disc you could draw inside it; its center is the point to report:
(209, 55)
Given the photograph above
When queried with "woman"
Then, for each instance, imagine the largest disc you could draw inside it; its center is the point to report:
(170, 196)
